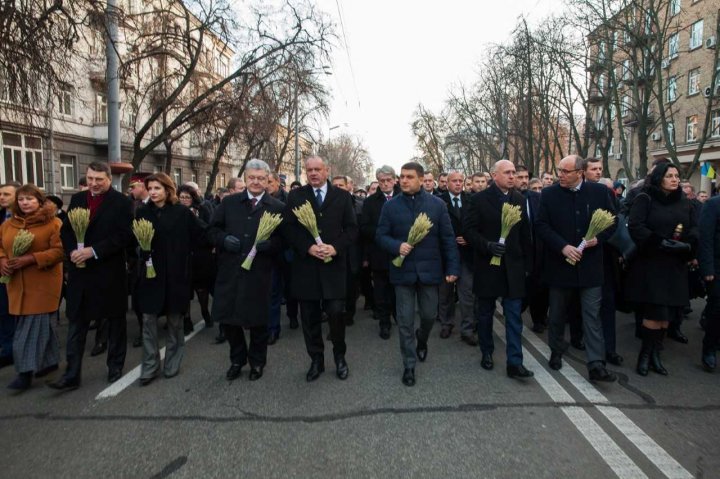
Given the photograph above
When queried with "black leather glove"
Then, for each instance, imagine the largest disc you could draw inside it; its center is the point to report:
(263, 246)
(232, 244)
(496, 249)
(674, 246)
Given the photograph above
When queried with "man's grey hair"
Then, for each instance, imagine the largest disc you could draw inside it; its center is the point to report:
(579, 161)
(193, 185)
(255, 164)
(385, 170)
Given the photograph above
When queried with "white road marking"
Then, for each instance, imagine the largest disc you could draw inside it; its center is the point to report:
(652, 450)
(121, 384)
(608, 450)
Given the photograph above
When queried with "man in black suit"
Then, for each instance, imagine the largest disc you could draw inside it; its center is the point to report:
(319, 285)
(536, 293)
(97, 283)
(565, 212)
(483, 224)
(384, 304)
(457, 203)
(7, 322)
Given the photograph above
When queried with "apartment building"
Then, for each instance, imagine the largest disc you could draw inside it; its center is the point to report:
(687, 65)
(53, 150)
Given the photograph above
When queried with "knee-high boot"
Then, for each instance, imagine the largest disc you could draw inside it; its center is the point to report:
(655, 363)
(643, 362)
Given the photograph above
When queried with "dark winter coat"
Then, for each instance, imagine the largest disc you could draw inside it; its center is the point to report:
(177, 231)
(456, 219)
(483, 224)
(99, 290)
(709, 232)
(435, 257)
(312, 279)
(656, 276)
(355, 252)
(372, 206)
(532, 211)
(563, 220)
(204, 267)
(242, 298)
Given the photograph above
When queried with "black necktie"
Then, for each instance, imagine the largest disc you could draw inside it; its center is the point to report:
(456, 203)
(318, 196)
(254, 202)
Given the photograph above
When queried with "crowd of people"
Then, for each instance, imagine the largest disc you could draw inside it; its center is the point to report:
(410, 244)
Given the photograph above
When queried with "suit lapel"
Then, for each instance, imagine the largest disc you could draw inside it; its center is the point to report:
(330, 196)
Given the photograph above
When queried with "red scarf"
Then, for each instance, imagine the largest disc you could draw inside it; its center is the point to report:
(94, 203)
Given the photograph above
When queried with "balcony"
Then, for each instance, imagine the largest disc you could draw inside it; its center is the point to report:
(596, 96)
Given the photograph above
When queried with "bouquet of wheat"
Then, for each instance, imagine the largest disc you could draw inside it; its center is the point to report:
(268, 223)
(144, 232)
(600, 221)
(511, 215)
(306, 217)
(418, 231)
(21, 243)
(79, 220)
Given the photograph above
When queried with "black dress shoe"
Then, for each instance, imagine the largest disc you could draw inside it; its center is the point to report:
(137, 342)
(294, 323)
(518, 371)
(342, 369)
(487, 361)
(709, 360)
(272, 338)
(44, 372)
(220, 338)
(63, 384)
(578, 344)
(538, 328)
(114, 375)
(421, 350)
(188, 325)
(6, 361)
(555, 362)
(233, 372)
(677, 335)
(614, 358)
(385, 332)
(408, 378)
(470, 340)
(98, 349)
(255, 373)
(146, 381)
(602, 374)
(316, 368)
(22, 382)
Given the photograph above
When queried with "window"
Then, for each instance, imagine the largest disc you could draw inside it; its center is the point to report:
(193, 177)
(22, 158)
(626, 70)
(671, 133)
(715, 124)
(672, 89)
(221, 65)
(222, 180)
(131, 112)
(615, 36)
(694, 81)
(598, 150)
(100, 108)
(612, 146)
(673, 45)
(612, 112)
(674, 7)
(207, 179)
(177, 176)
(696, 35)
(601, 53)
(156, 128)
(68, 167)
(601, 83)
(625, 105)
(691, 129)
(65, 100)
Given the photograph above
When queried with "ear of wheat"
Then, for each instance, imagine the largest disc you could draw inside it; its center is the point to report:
(79, 220)
(511, 215)
(21, 243)
(268, 223)
(306, 217)
(418, 231)
(599, 222)
(144, 233)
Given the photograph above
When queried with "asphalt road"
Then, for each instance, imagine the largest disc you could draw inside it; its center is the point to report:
(458, 421)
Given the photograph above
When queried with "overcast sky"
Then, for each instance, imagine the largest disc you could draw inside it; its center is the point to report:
(408, 52)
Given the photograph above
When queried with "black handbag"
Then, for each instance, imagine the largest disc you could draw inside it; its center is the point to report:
(622, 241)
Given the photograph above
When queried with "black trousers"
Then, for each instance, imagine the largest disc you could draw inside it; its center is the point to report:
(311, 315)
(240, 352)
(366, 286)
(77, 336)
(353, 291)
(384, 297)
(537, 299)
(712, 316)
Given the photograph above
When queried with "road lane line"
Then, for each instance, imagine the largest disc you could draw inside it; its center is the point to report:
(671, 468)
(608, 450)
(118, 386)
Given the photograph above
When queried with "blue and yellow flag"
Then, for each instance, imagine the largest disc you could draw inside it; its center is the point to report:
(707, 170)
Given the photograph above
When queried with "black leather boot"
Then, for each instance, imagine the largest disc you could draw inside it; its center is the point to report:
(643, 362)
(656, 364)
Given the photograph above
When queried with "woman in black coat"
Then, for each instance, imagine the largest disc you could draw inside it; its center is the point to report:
(663, 226)
(203, 259)
(177, 232)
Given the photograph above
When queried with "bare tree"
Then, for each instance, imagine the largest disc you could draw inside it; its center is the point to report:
(347, 155)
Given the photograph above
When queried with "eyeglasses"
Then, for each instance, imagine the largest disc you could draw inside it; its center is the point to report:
(567, 172)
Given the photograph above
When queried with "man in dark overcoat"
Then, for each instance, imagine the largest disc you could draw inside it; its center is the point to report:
(483, 225)
(565, 212)
(384, 304)
(242, 298)
(99, 288)
(457, 202)
(321, 286)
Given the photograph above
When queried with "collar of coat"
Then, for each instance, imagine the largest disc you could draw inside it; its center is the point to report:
(45, 214)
